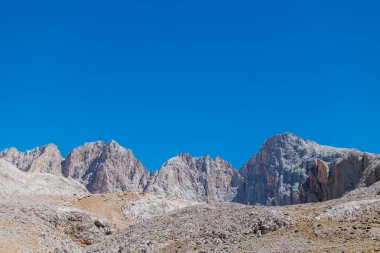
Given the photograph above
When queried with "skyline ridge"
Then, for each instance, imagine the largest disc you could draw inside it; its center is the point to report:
(185, 152)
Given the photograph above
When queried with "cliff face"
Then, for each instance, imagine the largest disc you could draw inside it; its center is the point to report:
(276, 173)
(105, 167)
(200, 179)
(41, 159)
(327, 181)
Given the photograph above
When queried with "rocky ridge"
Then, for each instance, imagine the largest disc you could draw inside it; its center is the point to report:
(286, 170)
(41, 159)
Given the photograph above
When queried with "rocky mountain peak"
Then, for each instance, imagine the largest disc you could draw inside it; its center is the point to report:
(105, 167)
(183, 156)
(195, 178)
(41, 159)
(218, 159)
(274, 174)
(113, 145)
(283, 137)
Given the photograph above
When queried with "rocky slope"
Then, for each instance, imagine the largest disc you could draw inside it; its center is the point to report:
(125, 222)
(199, 179)
(14, 181)
(200, 228)
(105, 167)
(46, 223)
(41, 159)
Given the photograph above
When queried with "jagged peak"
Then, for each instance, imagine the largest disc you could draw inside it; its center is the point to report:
(217, 158)
(113, 145)
(50, 146)
(289, 140)
(99, 143)
(187, 158)
(11, 149)
(184, 154)
(112, 142)
(285, 137)
(39, 148)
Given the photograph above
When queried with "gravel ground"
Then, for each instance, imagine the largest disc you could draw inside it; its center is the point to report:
(135, 222)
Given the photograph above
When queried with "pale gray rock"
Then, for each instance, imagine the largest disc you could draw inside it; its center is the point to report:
(199, 228)
(151, 206)
(105, 167)
(36, 224)
(195, 178)
(16, 182)
(41, 159)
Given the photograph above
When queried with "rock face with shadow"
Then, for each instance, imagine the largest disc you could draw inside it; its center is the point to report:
(276, 174)
(105, 167)
(290, 170)
(327, 181)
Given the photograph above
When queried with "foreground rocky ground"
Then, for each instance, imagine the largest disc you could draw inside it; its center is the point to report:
(138, 222)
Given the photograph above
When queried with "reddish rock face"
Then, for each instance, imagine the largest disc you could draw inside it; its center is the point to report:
(332, 180)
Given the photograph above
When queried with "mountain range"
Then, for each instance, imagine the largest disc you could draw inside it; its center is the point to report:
(286, 170)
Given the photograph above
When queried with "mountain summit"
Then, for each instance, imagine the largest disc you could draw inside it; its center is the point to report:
(105, 167)
(276, 174)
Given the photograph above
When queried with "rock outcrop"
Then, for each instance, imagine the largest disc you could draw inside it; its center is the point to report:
(105, 167)
(149, 206)
(291, 170)
(198, 179)
(41, 159)
(327, 181)
(276, 173)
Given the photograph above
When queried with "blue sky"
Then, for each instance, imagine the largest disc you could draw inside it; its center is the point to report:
(204, 77)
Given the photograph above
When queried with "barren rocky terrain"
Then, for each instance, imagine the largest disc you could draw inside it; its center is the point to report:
(294, 195)
(140, 222)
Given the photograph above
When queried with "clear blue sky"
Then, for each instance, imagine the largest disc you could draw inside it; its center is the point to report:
(204, 77)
